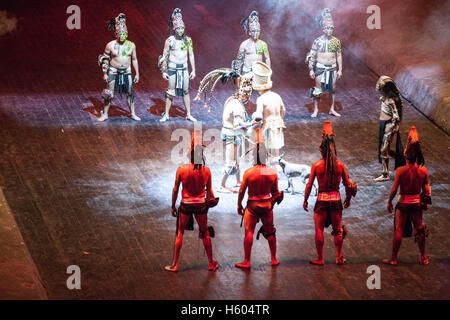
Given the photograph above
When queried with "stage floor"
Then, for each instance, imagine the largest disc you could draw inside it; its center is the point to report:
(97, 195)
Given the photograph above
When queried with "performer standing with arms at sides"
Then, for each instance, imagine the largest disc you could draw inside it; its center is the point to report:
(116, 66)
(174, 65)
(329, 171)
(390, 117)
(195, 178)
(253, 49)
(415, 196)
(271, 106)
(324, 53)
(262, 184)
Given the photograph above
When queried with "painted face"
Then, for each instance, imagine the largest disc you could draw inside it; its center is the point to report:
(328, 30)
(255, 34)
(122, 36)
(179, 32)
(245, 87)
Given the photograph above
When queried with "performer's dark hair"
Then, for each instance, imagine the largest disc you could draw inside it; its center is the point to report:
(329, 155)
(112, 24)
(245, 22)
(260, 153)
(197, 153)
(413, 152)
(390, 90)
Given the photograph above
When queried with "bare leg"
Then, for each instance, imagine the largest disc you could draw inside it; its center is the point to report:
(187, 104)
(237, 155)
(416, 218)
(132, 111)
(316, 107)
(183, 220)
(104, 116)
(319, 221)
(202, 221)
(250, 222)
(166, 113)
(400, 220)
(267, 221)
(229, 158)
(336, 219)
(332, 111)
(318, 87)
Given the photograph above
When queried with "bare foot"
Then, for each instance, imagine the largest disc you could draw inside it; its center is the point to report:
(191, 118)
(424, 260)
(314, 114)
(171, 268)
(135, 117)
(381, 178)
(164, 118)
(389, 261)
(334, 113)
(225, 190)
(341, 260)
(103, 117)
(275, 262)
(244, 265)
(317, 262)
(213, 266)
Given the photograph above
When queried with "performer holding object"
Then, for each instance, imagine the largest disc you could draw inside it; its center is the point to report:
(415, 196)
(195, 179)
(271, 106)
(174, 65)
(116, 66)
(235, 121)
(328, 209)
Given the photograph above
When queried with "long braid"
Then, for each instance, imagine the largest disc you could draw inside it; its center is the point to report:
(330, 159)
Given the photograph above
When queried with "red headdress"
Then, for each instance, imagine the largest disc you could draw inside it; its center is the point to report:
(196, 148)
(413, 135)
(327, 129)
(413, 150)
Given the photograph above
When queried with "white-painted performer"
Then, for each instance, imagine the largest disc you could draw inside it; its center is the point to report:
(174, 65)
(326, 57)
(235, 121)
(116, 66)
(271, 106)
(253, 49)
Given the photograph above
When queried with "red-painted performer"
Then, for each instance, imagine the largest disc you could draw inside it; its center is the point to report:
(328, 209)
(195, 178)
(263, 193)
(415, 196)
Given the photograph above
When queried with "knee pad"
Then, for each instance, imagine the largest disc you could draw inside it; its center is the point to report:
(316, 92)
(210, 231)
(421, 234)
(169, 94)
(231, 168)
(266, 234)
(342, 231)
(107, 94)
